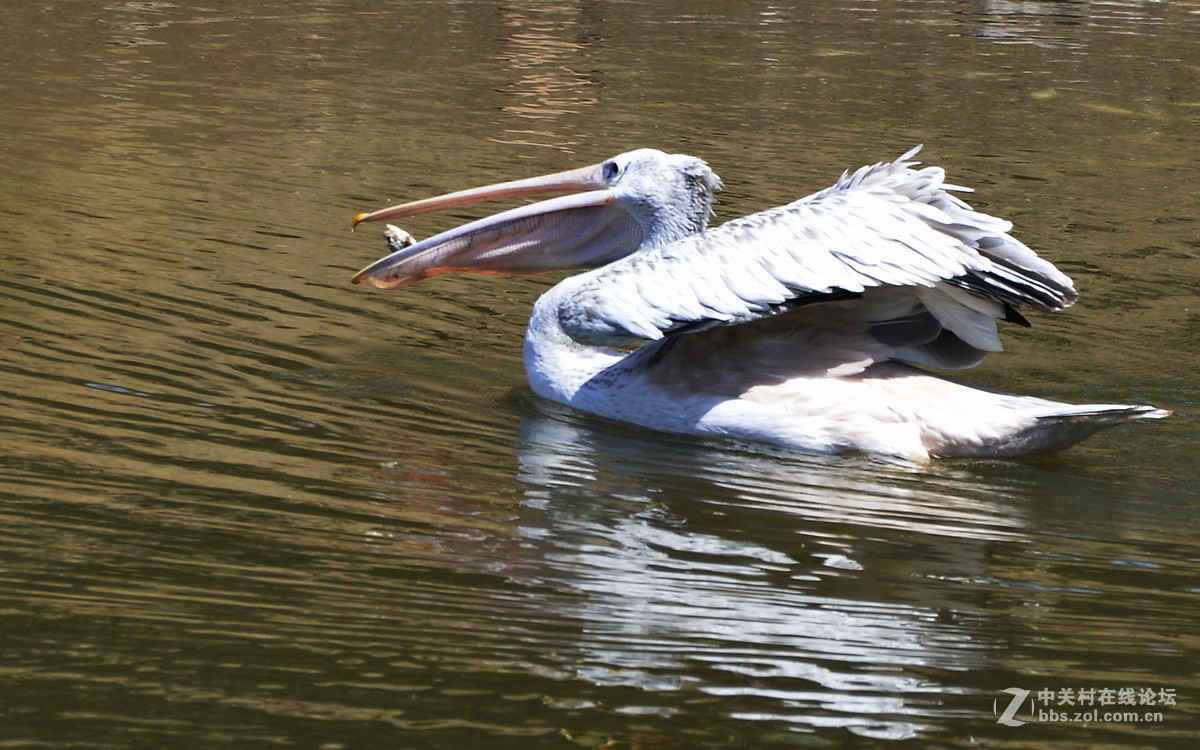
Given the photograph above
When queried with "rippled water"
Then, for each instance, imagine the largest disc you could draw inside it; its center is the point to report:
(245, 504)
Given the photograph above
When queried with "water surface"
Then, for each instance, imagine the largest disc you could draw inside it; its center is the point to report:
(245, 504)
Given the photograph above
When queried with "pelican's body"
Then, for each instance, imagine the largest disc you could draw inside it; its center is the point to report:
(778, 386)
(799, 326)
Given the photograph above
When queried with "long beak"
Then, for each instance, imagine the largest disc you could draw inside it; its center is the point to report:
(575, 180)
(572, 231)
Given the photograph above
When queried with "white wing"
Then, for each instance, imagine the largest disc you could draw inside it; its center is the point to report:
(886, 225)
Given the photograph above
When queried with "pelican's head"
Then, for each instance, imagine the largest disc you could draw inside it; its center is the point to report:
(637, 200)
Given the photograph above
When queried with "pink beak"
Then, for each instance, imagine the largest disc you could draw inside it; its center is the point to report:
(583, 230)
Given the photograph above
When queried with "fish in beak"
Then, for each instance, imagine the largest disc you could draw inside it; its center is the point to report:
(584, 229)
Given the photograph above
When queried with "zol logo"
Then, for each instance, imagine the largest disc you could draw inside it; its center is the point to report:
(1006, 718)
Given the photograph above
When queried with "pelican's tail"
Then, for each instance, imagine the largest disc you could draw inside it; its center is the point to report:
(1065, 425)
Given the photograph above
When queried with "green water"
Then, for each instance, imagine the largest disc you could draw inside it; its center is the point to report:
(245, 504)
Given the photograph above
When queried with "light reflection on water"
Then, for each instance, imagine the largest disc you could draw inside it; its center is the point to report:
(691, 596)
(243, 503)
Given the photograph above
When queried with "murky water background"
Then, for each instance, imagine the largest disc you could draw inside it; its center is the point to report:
(244, 504)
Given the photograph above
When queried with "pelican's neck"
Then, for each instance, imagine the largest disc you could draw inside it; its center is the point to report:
(671, 217)
(556, 364)
(666, 226)
(667, 211)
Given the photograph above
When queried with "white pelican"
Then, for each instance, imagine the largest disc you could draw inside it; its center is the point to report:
(800, 325)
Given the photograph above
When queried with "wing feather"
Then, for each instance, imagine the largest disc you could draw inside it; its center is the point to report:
(886, 225)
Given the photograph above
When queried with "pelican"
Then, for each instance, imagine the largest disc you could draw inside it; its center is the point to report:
(805, 325)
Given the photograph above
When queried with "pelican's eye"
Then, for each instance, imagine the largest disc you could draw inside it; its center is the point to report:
(611, 170)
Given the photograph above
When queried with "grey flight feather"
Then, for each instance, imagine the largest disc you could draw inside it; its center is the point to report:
(885, 225)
